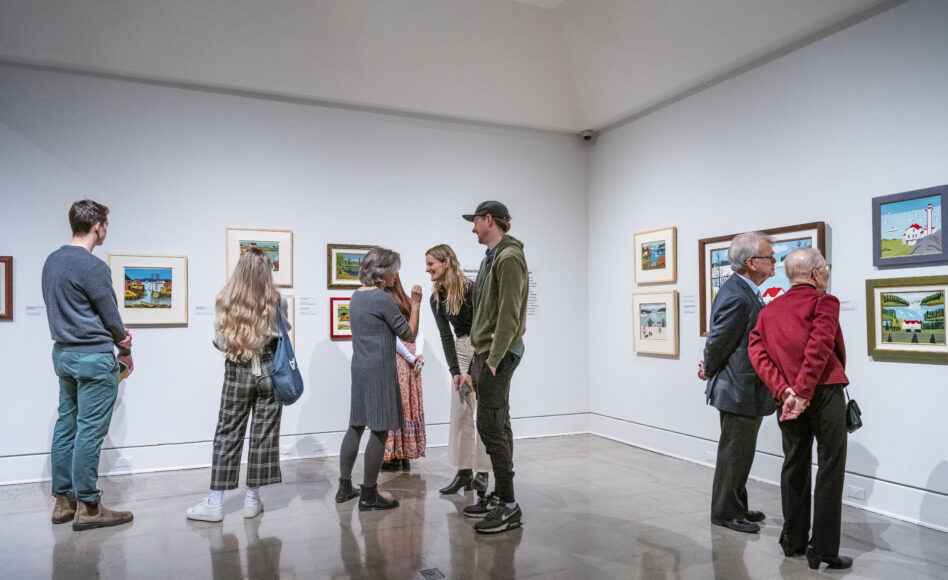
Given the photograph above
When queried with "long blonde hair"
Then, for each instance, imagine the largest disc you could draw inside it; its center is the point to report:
(454, 284)
(246, 306)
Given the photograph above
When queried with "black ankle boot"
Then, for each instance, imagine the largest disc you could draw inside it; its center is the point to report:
(462, 478)
(406, 465)
(480, 481)
(345, 491)
(392, 465)
(371, 500)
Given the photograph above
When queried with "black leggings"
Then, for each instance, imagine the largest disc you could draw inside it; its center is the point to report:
(374, 453)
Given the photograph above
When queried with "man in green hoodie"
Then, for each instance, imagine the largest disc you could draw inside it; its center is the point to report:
(499, 296)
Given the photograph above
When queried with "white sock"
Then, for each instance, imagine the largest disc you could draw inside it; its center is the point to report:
(253, 494)
(215, 498)
(511, 505)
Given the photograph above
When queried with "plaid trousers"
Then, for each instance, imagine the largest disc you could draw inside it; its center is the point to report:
(242, 393)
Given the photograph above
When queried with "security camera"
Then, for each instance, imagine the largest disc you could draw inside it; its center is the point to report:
(589, 136)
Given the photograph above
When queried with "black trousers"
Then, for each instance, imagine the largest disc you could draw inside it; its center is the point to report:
(824, 420)
(493, 418)
(736, 449)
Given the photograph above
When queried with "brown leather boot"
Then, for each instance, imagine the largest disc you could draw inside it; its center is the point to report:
(95, 515)
(64, 510)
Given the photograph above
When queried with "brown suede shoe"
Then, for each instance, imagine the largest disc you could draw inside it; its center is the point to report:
(64, 510)
(95, 515)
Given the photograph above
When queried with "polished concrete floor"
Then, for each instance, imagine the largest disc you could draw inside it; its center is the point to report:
(593, 508)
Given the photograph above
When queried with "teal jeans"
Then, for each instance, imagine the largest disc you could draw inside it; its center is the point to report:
(88, 385)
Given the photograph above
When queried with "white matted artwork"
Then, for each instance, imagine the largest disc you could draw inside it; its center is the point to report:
(656, 256)
(655, 322)
(151, 289)
(277, 243)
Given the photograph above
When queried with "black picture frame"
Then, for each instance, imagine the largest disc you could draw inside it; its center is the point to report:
(940, 240)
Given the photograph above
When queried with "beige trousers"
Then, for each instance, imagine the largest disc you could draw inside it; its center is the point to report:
(465, 448)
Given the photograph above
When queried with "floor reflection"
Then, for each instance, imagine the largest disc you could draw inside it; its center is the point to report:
(262, 556)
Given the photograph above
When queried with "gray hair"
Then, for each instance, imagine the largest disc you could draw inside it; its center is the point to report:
(800, 262)
(377, 262)
(743, 247)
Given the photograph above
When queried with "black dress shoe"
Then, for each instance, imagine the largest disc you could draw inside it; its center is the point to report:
(461, 479)
(788, 550)
(834, 562)
(755, 516)
(480, 481)
(738, 525)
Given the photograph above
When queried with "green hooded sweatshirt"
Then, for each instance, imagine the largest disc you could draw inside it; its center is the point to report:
(500, 315)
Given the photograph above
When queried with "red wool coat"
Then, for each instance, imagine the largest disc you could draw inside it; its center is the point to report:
(798, 343)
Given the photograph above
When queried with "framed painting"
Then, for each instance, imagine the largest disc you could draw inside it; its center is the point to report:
(6, 288)
(339, 318)
(909, 228)
(905, 318)
(291, 316)
(656, 256)
(277, 243)
(714, 268)
(152, 290)
(342, 265)
(655, 322)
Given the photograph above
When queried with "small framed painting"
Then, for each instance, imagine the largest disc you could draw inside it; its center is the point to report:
(6, 288)
(291, 316)
(342, 265)
(906, 318)
(277, 243)
(909, 228)
(656, 258)
(714, 269)
(339, 318)
(655, 322)
(152, 290)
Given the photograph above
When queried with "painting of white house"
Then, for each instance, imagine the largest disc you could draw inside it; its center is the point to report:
(911, 227)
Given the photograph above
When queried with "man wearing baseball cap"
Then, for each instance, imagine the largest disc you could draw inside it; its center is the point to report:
(499, 297)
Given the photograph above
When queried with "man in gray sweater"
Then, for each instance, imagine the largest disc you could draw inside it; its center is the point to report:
(86, 327)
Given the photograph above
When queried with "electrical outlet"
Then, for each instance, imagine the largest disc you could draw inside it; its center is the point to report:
(854, 492)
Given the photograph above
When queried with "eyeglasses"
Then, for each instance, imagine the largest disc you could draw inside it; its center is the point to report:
(770, 257)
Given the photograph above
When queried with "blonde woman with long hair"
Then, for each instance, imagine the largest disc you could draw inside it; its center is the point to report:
(246, 329)
(452, 307)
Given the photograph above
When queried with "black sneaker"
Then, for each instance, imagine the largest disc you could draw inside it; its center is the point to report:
(482, 507)
(500, 519)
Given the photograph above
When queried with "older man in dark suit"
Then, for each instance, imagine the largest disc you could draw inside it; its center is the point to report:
(733, 386)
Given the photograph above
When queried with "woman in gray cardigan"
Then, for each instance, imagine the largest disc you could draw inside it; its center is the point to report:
(376, 398)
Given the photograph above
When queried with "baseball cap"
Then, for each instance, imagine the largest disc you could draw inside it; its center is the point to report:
(494, 208)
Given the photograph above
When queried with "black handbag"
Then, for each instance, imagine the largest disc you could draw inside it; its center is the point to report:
(853, 414)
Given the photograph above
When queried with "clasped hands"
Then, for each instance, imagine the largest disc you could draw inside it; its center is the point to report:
(793, 405)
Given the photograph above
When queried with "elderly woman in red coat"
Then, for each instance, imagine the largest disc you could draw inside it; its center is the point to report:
(797, 350)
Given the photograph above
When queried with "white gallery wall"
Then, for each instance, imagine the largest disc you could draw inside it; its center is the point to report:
(812, 136)
(179, 166)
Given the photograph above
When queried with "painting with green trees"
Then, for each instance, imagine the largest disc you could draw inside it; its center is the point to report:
(913, 317)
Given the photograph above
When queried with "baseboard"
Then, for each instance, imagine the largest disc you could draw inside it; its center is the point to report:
(891, 499)
(190, 455)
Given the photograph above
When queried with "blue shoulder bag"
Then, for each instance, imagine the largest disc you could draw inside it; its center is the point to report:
(285, 373)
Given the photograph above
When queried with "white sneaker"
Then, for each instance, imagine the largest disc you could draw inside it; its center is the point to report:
(205, 512)
(252, 509)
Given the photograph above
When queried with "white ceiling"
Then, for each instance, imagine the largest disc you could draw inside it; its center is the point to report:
(564, 65)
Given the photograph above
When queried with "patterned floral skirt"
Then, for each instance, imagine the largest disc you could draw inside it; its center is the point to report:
(409, 442)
